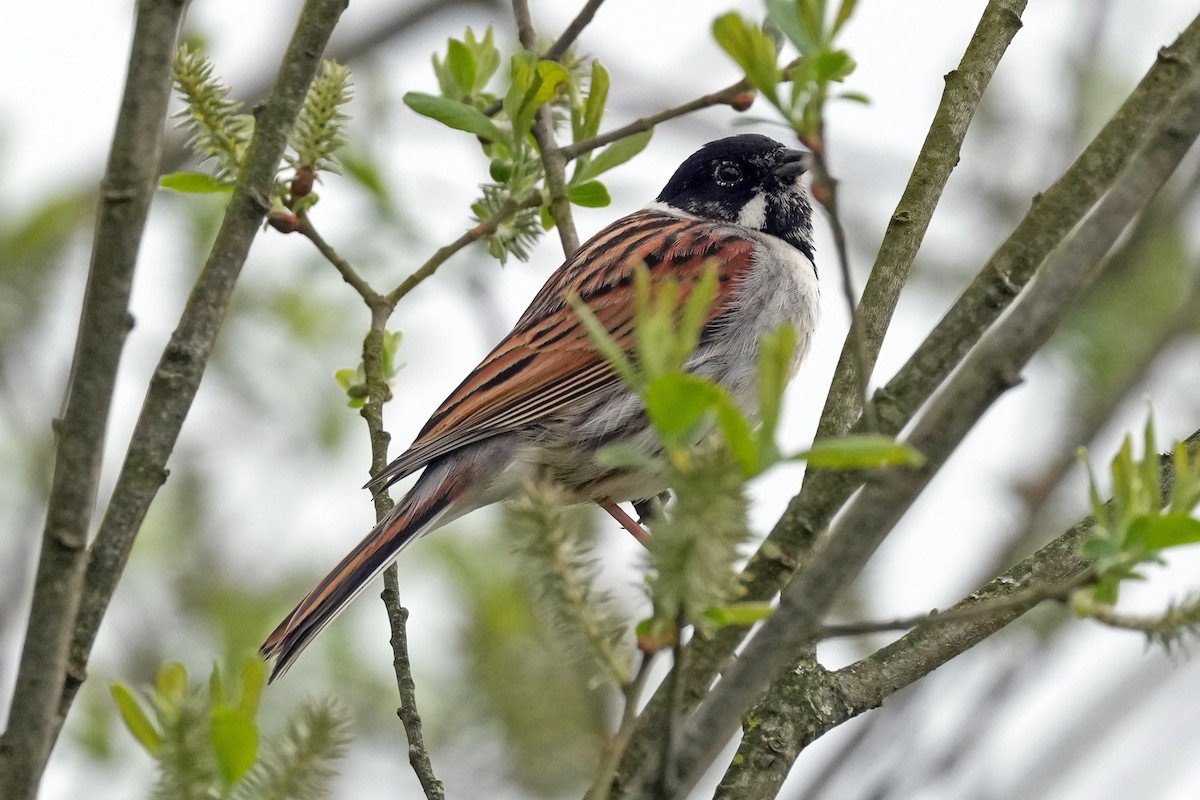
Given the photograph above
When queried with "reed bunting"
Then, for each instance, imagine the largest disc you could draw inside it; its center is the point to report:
(544, 401)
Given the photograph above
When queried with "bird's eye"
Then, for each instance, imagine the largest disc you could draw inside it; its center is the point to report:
(727, 173)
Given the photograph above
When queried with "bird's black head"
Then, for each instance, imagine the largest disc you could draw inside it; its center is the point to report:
(750, 180)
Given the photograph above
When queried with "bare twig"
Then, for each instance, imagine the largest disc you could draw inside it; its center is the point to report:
(987, 373)
(939, 156)
(568, 37)
(177, 378)
(128, 186)
(611, 756)
(825, 191)
(474, 234)
(1025, 599)
(410, 717)
(374, 300)
(720, 97)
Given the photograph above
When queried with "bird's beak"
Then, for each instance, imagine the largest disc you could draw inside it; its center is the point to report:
(793, 163)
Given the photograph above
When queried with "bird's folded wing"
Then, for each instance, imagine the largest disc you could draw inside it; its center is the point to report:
(548, 360)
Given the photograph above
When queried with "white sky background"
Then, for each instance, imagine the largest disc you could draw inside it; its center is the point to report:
(54, 133)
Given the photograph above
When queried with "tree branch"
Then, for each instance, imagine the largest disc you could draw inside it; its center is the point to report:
(777, 558)
(442, 254)
(553, 161)
(177, 377)
(808, 701)
(906, 229)
(581, 21)
(410, 717)
(126, 192)
(721, 97)
(377, 303)
(990, 370)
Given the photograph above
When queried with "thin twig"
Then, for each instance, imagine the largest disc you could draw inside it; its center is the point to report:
(665, 780)
(602, 785)
(825, 190)
(33, 720)
(410, 717)
(1024, 599)
(473, 234)
(568, 37)
(374, 300)
(553, 161)
(720, 97)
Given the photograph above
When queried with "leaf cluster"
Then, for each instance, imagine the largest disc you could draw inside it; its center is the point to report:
(502, 116)
(812, 28)
(206, 740)
(1139, 524)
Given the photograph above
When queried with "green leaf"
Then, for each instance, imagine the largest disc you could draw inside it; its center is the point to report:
(461, 62)
(592, 194)
(752, 49)
(454, 114)
(135, 718)
(593, 106)
(621, 456)
(677, 402)
(254, 680)
(614, 155)
(832, 65)
(1168, 530)
(193, 183)
(844, 12)
(775, 357)
(216, 687)
(524, 82)
(365, 172)
(171, 682)
(857, 97)
(234, 738)
(487, 57)
(782, 13)
(743, 614)
(860, 452)
(739, 437)
(552, 75)
(607, 346)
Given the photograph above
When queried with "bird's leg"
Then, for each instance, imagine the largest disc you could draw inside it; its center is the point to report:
(627, 522)
(650, 508)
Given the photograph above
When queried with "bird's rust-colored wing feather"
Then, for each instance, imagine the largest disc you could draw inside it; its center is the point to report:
(547, 361)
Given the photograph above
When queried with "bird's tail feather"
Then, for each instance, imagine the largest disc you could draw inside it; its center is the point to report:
(419, 512)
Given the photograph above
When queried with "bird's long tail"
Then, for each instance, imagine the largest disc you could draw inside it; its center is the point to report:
(424, 508)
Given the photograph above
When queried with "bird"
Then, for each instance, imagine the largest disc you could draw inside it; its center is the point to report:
(545, 401)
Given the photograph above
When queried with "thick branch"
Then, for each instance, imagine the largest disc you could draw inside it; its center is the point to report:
(991, 369)
(906, 229)
(177, 377)
(825, 491)
(129, 183)
(774, 562)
